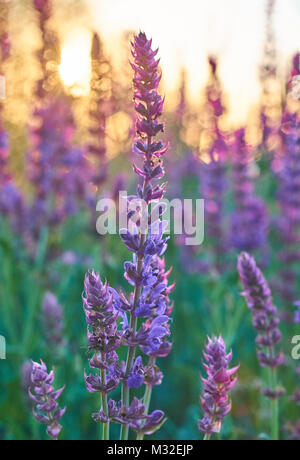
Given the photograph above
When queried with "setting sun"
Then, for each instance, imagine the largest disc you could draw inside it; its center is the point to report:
(75, 67)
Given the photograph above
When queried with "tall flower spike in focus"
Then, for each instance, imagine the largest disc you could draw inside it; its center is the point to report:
(45, 398)
(265, 320)
(141, 321)
(146, 272)
(220, 380)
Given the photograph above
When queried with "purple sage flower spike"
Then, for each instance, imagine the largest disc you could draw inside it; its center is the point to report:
(265, 316)
(103, 340)
(265, 321)
(145, 314)
(45, 398)
(146, 272)
(220, 380)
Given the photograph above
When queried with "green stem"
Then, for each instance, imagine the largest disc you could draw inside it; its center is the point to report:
(131, 350)
(274, 407)
(105, 432)
(140, 437)
(207, 437)
(147, 397)
(125, 388)
(147, 400)
(133, 326)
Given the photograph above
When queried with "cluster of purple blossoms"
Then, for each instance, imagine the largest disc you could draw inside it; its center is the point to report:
(52, 319)
(249, 224)
(220, 380)
(142, 320)
(102, 335)
(104, 309)
(265, 317)
(42, 393)
(134, 417)
(213, 185)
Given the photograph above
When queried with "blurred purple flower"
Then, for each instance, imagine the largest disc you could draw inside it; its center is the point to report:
(249, 224)
(42, 5)
(296, 397)
(52, 318)
(297, 314)
(265, 316)
(57, 170)
(101, 109)
(213, 178)
(289, 220)
(26, 370)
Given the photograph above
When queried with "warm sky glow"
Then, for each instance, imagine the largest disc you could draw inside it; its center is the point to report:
(187, 31)
(75, 67)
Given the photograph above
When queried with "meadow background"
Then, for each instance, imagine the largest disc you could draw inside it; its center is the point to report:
(48, 238)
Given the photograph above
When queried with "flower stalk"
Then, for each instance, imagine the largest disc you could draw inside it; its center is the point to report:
(220, 380)
(141, 321)
(265, 320)
(42, 393)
